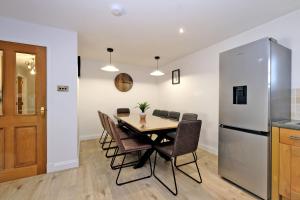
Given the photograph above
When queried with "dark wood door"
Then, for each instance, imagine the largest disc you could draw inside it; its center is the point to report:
(22, 110)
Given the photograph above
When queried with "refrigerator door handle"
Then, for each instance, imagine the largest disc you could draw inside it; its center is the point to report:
(245, 130)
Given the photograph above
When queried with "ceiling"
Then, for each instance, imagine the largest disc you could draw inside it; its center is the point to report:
(149, 27)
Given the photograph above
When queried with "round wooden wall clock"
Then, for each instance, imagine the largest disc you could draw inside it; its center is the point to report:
(123, 82)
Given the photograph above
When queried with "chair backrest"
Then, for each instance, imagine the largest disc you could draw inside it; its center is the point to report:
(106, 124)
(100, 114)
(156, 112)
(123, 111)
(189, 116)
(163, 113)
(115, 133)
(187, 137)
(174, 115)
(100, 117)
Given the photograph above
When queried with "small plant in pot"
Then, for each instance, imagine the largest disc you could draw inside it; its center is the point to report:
(143, 106)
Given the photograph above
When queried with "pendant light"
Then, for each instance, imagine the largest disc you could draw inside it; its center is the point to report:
(110, 67)
(157, 72)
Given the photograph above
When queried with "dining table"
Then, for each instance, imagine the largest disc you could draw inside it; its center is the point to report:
(144, 129)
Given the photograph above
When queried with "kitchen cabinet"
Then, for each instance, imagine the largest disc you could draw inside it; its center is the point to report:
(285, 164)
(295, 173)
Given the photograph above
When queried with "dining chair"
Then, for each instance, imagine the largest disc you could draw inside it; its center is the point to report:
(125, 147)
(122, 134)
(174, 115)
(123, 111)
(185, 116)
(163, 114)
(107, 133)
(104, 132)
(189, 116)
(186, 142)
(156, 112)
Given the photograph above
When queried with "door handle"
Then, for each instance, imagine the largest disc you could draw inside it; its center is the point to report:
(294, 137)
(43, 111)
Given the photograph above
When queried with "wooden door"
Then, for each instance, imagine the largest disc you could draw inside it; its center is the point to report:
(22, 110)
(295, 173)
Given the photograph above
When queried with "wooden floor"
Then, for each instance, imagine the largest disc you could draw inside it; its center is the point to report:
(95, 180)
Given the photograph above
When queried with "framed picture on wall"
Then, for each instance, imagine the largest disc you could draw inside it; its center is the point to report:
(176, 76)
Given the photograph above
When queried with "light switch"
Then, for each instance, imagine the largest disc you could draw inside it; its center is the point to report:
(63, 88)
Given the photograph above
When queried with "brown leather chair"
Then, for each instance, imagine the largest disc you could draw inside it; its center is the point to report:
(104, 132)
(186, 141)
(156, 112)
(185, 116)
(127, 146)
(163, 114)
(189, 116)
(100, 118)
(174, 115)
(107, 134)
(123, 111)
(123, 135)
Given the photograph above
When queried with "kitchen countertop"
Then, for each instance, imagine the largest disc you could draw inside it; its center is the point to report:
(289, 124)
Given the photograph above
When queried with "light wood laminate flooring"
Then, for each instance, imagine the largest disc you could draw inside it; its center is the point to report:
(95, 180)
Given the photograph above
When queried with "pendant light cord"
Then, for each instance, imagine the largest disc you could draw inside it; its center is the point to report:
(110, 58)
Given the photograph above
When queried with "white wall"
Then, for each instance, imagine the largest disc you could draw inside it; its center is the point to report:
(198, 90)
(98, 92)
(62, 137)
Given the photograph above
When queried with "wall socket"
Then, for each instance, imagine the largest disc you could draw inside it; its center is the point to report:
(63, 88)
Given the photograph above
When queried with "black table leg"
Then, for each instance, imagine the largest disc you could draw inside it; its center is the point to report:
(148, 153)
(143, 137)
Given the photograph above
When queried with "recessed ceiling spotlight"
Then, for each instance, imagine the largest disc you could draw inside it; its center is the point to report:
(181, 30)
(117, 10)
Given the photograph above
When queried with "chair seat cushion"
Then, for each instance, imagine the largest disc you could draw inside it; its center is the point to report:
(165, 148)
(130, 145)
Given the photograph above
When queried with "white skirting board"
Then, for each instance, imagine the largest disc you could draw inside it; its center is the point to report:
(89, 137)
(59, 166)
(208, 148)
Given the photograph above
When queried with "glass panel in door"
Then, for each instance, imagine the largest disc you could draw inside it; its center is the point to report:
(25, 83)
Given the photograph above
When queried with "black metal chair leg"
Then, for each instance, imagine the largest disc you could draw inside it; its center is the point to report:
(104, 141)
(109, 143)
(114, 167)
(174, 177)
(113, 159)
(109, 148)
(101, 137)
(194, 161)
(122, 166)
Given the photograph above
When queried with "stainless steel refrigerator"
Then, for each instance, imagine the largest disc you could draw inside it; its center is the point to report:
(255, 89)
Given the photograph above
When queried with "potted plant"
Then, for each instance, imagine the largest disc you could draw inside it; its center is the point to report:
(143, 106)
